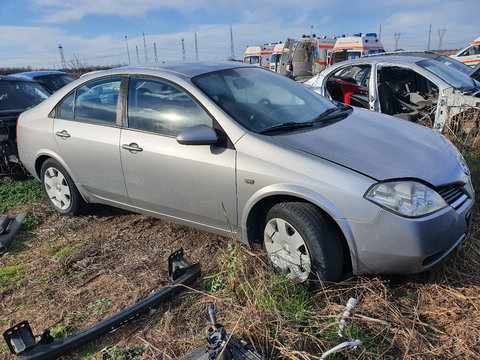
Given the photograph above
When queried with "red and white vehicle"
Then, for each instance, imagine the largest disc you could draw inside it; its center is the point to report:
(275, 58)
(259, 55)
(322, 50)
(355, 46)
(470, 55)
(309, 57)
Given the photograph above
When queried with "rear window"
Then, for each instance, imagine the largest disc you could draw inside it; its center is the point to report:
(55, 82)
(18, 96)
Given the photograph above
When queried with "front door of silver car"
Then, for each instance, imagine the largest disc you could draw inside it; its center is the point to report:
(92, 131)
(191, 182)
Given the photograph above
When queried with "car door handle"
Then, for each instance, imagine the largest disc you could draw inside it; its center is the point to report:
(63, 134)
(132, 147)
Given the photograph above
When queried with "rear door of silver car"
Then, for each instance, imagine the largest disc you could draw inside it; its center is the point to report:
(87, 133)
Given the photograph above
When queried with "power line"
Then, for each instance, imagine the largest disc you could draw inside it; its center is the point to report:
(441, 32)
(196, 47)
(184, 56)
(397, 38)
(380, 32)
(128, 51)
(145, 48)
(155, 51)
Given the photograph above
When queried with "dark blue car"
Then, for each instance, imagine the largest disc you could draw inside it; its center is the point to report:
(50, 80)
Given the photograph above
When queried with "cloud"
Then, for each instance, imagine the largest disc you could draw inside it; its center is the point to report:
(253, 23)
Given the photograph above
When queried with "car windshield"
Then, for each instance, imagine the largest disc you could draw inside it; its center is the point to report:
(259, 99)
(455, 64)
(17, 96)
(453, 77)
(53, 82)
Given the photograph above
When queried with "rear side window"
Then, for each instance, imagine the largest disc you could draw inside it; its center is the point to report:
(96, 102)
(65, 109)
(160, 107)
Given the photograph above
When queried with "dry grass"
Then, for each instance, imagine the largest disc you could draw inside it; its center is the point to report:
(463, 129)
(115, 258)
(69, 273)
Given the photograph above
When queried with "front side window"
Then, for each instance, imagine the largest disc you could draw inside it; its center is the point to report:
(349, 85)
(161, 107)
(406, 94)
(96, 102)
(472, 50)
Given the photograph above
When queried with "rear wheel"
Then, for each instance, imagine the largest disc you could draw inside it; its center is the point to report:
(303, 243)
(59, 189)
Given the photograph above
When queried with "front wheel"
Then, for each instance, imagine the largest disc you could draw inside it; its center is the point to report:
(303, 243)
(59, 189)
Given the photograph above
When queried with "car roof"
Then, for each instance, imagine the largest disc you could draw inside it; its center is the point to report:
(418, 53)
(14, 78)
(33, 74)
(409, 60)
(187, 69)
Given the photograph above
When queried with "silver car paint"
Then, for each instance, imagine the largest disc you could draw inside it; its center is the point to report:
(275, 168)
(165, 178)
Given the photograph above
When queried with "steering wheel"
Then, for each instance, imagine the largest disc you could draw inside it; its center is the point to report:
(264, 101)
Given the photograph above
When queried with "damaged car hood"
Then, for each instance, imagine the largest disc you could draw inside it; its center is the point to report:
(382, 147)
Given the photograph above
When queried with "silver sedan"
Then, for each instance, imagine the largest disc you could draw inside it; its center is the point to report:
(244, 152)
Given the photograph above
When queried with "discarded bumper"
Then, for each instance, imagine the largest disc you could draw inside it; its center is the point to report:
(21, 341)
(9, 227)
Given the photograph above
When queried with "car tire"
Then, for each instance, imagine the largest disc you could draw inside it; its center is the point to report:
(59, 188)
(303, 243)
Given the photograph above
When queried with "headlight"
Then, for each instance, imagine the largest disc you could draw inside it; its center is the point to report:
(407, 198)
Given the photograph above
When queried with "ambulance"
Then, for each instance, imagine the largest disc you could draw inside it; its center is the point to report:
(276, 55)
(259, 55)
(355, 46)
(308, 58)
(470, 55)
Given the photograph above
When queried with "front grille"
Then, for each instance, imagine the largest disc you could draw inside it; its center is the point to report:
(454, 196)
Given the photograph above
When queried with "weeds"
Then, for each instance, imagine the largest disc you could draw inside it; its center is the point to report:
(61, 331)
(116, 353)
(65, 251)
(101, 306)
(15, 193)
(11, 274)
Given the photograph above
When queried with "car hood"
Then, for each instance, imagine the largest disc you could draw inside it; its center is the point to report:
(382, 147)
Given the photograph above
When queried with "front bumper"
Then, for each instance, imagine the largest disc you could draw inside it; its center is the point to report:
(397, 245)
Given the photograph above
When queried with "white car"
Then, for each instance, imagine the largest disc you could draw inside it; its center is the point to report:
(470, 55)
(409, 87)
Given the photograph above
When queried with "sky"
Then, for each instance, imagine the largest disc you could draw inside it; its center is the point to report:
(92, 32)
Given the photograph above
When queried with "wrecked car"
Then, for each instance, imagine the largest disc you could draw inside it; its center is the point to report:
(241, 151)
(408, 87)
(475, 74)
(16, 95)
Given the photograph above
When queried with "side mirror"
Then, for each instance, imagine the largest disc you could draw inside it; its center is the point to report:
(198, 135)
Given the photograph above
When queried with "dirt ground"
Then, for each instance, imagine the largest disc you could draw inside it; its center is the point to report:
(71, 272)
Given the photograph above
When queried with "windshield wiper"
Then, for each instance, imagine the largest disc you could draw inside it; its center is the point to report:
(286, 126)
(332, 113)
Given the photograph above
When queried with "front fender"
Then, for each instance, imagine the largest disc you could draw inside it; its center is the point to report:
(306, 194)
